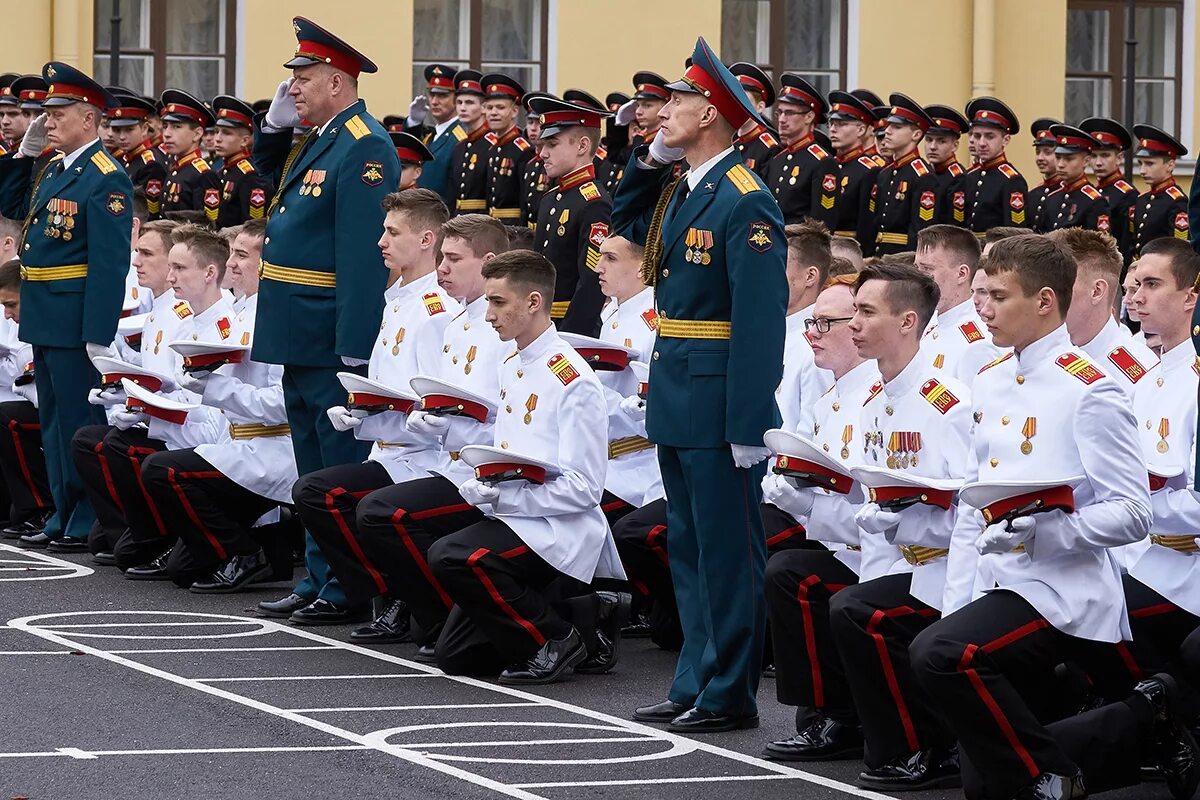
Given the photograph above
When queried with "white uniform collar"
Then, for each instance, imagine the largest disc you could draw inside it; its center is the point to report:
(1053, 344)
(858, 378)
(211, 313)
(956, 315)
(907, 379)
(442, 127)
(1181, 356)
(697, 174)
(321, 128)
(402, 288)
(539, 346)
(72, 156)
(165, 300)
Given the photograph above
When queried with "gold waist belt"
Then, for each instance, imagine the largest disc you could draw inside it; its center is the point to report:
(505, 213)
(1182, 544)
(254, 430)
(917, 555)
(693, 329)
(472, 205)
(54, 273)
(304, 277)
(627, 445)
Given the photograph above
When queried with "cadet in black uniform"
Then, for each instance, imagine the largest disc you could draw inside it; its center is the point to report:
(794, 174)
(1075, 204)
(533, 179)
(237, 191)
(1112, 140)
(1043, 148)
(413, 155)
(508, 149)
(906, 189)
(143, 162)
(468, 170)
(847, 180)
(941, 152)
(616, 141)
(651, 94)
(994, 191)
(574, 215)
(184, 120)
(757, 143)
(1161, 210)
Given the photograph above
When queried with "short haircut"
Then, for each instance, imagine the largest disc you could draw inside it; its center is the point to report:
(848, 279)
(908, 289)
(141, 210)
(1185, 262)
(529, 270)
(905, 258)
(424, 208)
(577, 132)
(10, 227)
(848, 248)
(485, 234)
(162, 228)
(1093, 251)
(841, 268)
(520, 237)
(207, 246)
(254, 228)
(10, 274)
(809, 240)
(1038, 262)
(1002, 232)
(960, 243)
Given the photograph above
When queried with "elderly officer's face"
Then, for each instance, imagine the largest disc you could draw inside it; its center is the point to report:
(682, 117)
(70, 127)
(500, 114)
(987, 142)
(1070, 166)
(1164, 307)
(315, 89)
(441, 105)
(876, 326)
(834, 349)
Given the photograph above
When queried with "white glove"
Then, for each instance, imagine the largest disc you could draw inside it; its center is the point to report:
(418, 109)
(124, 419)
(745, 456)
(282, 114)
(1002, 537)
(35, 139)
(28, 392)
(106, 397)
(873, 519)
(479, 494)
(428, 424)
(95, 351)
(195, 381)
(349, 361)
(781, 493)
(344, 419)
(625, 114)
(634, 407)
(661, 152)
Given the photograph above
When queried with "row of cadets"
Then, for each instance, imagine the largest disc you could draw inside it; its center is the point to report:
(144, 163)
(941, 152)
(1075, 203)
(793, 173)
(757, 143)
(184, 119)
(459, 349)
(16, 112)
(435, 122)
(847, 179)
(235, 191)
(1111, 140)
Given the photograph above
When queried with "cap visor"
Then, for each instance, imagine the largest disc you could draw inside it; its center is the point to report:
(301, 61)
(678, 86)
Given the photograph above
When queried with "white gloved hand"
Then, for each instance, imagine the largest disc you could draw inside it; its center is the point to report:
(746, 456)
(106, 397)
(344, 419)
(428, 424)
(27, 391)
(35, 139)
(873, 519)
(124, 419)
(634, 407)
(350, 361)
(282, 114)
(662, 153)
(782, 493)
(625, 114)
(479, 494)
(418, 110)
(195, 381)
(1002, 537)
(95, 351)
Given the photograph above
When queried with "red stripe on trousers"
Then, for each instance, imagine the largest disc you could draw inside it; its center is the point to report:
(613, 506)
(13, 427)
(889, 672)
(1010, 735)
(108, 478)
(133, 453)
(810, 640)
(421, 561)
(439, 511)
(1154, 611)
(473, 563)
(784, 535)
(652, 543)
(339, 519)
(191, 512)
(1135, 671)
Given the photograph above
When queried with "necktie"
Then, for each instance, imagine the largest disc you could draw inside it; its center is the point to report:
(678, 199)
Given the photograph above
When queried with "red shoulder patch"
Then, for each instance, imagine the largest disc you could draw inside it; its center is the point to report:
(598, 233)
(433, 303)
(817, 151)
(522, 143)
(955, 169)
(876, 388)
(1124, 187)
(868, 162)
(182, 309)
(491, 137)
(1009, 171)
(920, 167)
(970, 332)
(938, 395)
(1128, 364)
(1175, 193)
(769, 140)
(224, 327)
(562, 368)
(1080, 367)
(212, 198)
(1090, 191)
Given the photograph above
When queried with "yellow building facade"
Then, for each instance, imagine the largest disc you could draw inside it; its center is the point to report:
(937, 51)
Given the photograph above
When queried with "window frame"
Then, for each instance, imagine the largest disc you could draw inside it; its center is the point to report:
(473, 58)
(777, 42)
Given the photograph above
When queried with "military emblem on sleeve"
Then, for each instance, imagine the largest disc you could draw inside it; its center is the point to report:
(372, 173)
(115, 204)
(759, 237)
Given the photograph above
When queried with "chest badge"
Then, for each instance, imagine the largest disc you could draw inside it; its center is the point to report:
(530, 406)
(698, 242)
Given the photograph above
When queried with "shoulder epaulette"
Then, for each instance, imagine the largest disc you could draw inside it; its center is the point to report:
(103, 162)
(245, 166)
(589, 191)
(491, 137)
(1091, 192)
(1124, 187)
(816, 151)
(358, 129)
(650, 317)
(742, 179)
(970, 332)
(1009, 171)
(769, 140)
(433, 303)
(224, 327)
(201, 166)
(938, 395)
(522, 143)
(876, 388)
(147, 157)
(1175, 193)
(562, 368)
(999, 360)
(182, 309)
(920, 167)
(1125, 361)
(458, 132)
(1080, 367)
(879, 160)
(869, 162)
(955, 169)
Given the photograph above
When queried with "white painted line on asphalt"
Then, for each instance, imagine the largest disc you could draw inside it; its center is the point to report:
(75, 752)
(161, 650)
(35, 652)
(435, 707)
(656, 781)
(15, 560)
(203, 624)
(254, 679)
(72, 752)
(525, 742)
(27, 568)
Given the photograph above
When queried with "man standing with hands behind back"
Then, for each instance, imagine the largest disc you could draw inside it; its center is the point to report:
(715, 253)
(321, 295)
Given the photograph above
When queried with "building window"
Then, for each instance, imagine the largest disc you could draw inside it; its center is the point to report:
(807, 37)
(1096, 32)
(509, 36)
(178, 44)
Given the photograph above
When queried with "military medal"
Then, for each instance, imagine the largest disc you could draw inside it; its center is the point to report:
(530, 405)
(471, 351)
(318, 179)
(1164, 430)
(562, 221)
(399, 339)
(916, 447)
(847, 436)
(1028, 430)
(157, 340)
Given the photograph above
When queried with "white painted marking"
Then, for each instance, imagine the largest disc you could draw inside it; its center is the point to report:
(527, 742)
(435, 707)
(655, 781)
(42, 568)
(73, 626)
(75, 752)
(161, 650)
(62, 751)
(27, 561)
(35, 652)
(313, 678)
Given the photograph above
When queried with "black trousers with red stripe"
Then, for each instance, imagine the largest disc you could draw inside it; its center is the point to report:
(87, 451)
(873, 625)
(211, 514)
(22, 461)
(978, 663)
(113, 466)
(808, 669)
(1159, 629)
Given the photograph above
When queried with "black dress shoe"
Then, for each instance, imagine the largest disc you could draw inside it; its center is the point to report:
(323, 612)
(105, 559)
(156, 570)
(390, 627)
(554, 658)
(283, 607)
(638, 627)
(824, 739)
(697, 720)
(610, 619)
(659, 712)
(22, 529)
(67, 544)
(924, 769)
(234, 575)
(1173, 748)
(34, 541)
(1049, 786)
(426, 654)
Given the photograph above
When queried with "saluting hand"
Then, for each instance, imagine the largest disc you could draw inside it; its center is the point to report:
(36, 138)
(282, 114)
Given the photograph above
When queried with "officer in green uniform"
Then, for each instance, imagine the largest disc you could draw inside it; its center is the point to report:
(75, 258)
(321, 294)
(185, 119)
(440, 132)
(235, 191)
(715, 252)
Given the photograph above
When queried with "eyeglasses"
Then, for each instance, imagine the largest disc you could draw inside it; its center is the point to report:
(823, 324)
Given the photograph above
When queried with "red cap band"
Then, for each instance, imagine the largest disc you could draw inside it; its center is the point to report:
(378, 402)
(1157, 482)
(587, 119)
(752, 83)
(604, 359)
(114, 379)
(854, 111)
(172, 416)
(506, 470)
(79, 94)
(504, 89)
(1103, 137)
(186, 111)
(813, 473)
(991, 117)
(910, 116)
(445, 402)
(335, 58)
(125, 112)
(711, 87)
(1159, 147)
(1056, 497)
(36, 95)
(410, 156)
(467, 85)
(201, 360)
(1075, 141)
(235, 116)
(654, 89)
(790, 94)
(948, 124)
(931, 497)
(441, 82)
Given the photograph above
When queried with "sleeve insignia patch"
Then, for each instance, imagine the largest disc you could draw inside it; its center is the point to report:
(153, 188)
(182, 309)
(598, 233)
(372, 173)
(212, 198)
(1175, 193)
(224, 327)
(433, 303)
(1181, 221)
(1080, 367)
(938, 396)
(562, 369)
(1016, 200)
(1125, 361)
(970, 332)
(650, 317)
(829, 183)
(759, 237)
(116, 204)
(1103, 224)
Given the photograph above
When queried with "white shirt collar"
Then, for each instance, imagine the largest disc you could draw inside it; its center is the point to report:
(71, 157)
(321, 128)
(442, 127)
(697, 174)
(955, 315)
(1055, 343)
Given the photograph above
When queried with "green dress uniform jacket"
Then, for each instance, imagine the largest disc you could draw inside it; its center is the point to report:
(436, 175)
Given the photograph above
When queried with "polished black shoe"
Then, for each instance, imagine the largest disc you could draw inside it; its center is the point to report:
(426, 654)
(284, 607)
(824, 739)
(30, 528)
(697, 720)
(104, 559)
(548, 664)
(1173, 749)
(638, 627)
(156, 570)
(390, 627)
(611, 617)
(34, 541)
(1049, 786)
(67, 544)
(659, 712)
(234, 575)
(323, 612)
(924, 769)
